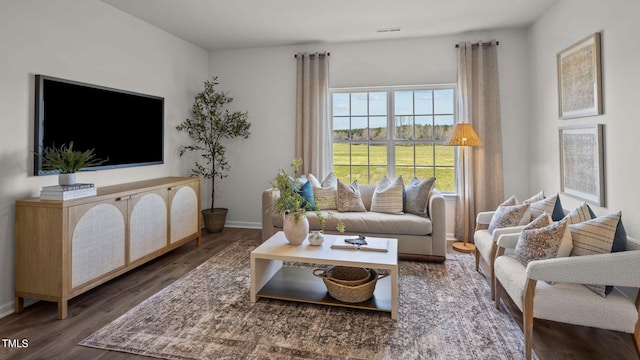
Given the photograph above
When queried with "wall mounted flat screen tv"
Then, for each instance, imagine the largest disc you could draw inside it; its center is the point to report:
(125, 127)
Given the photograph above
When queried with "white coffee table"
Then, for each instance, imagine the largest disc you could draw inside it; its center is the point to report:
(270, 279)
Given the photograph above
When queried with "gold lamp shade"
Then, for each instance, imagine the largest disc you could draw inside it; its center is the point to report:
(464, 135)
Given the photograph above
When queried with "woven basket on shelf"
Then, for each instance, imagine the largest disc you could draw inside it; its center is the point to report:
(353, 294)
(345, 275)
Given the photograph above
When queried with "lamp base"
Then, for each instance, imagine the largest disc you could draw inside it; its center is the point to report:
(464, 247)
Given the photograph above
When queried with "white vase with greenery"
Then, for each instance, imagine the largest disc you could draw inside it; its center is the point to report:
(290, 202)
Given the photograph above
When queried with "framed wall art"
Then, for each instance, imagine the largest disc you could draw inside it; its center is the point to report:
(582, 163)
(580, 79)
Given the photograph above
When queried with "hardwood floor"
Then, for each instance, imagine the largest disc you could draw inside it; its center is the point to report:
(49, 338)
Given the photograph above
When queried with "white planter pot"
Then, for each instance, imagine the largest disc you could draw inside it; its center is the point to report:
(66, 179)
(295, 232)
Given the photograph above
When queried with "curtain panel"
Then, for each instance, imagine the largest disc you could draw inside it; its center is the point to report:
(313, 130)
(479, 104)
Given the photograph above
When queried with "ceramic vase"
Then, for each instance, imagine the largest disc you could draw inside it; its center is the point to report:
(295, 232)
(67, 179)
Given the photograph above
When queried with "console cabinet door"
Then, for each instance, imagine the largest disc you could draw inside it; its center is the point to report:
(185, 211)
(148, 223)
(97, 233)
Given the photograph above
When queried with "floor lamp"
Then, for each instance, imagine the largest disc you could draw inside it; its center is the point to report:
(463, 136)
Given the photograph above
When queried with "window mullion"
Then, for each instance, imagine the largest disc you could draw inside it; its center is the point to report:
(391, 135)
(433, 127)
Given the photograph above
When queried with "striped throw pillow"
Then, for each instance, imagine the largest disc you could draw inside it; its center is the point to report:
(387, 197)
(592, 237)
(325, 193)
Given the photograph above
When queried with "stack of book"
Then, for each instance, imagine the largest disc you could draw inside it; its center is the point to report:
(67, 192)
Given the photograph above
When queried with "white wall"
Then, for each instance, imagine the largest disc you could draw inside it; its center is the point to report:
(564, 24)
(87, 41)
(262, 81)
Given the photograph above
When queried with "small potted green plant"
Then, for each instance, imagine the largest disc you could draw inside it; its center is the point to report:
(67, 161)
(211, 126)
(290, 202)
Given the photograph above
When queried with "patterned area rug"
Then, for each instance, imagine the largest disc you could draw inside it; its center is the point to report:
(445, 313)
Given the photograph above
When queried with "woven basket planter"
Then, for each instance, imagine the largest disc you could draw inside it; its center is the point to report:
(345, 275)
(350, 293)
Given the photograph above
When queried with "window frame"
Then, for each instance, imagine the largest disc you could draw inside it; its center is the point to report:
(391, 141)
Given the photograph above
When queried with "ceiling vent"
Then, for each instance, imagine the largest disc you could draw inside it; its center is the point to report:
(388, 30)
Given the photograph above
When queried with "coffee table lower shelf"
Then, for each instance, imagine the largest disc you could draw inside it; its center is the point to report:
(299, 284)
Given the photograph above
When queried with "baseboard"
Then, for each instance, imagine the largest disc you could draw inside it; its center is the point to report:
(244, 224)
(7, 309)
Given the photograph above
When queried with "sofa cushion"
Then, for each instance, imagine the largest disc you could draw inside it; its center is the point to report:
(538, 243)
(325, 193)
(594, 236)
(512, 200)
(580, 214)
(537, 197)
(349, 198)
(375, 223)
(387, 197)
(550, 205)
(506, 216)
(417, 195)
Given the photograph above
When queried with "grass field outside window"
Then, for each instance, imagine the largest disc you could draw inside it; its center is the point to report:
(396, 132)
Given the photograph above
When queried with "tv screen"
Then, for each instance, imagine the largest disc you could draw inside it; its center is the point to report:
(124, 127)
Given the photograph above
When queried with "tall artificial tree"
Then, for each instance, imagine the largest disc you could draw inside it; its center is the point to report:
(209, 128)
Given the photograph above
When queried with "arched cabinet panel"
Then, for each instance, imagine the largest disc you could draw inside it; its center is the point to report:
(98, 241)
(185, 212)
(147, 224)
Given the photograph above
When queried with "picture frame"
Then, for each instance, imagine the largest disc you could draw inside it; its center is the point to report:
(582, 163)
(580, 79)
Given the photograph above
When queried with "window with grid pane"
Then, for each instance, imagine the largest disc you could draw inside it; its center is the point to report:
(395, 131)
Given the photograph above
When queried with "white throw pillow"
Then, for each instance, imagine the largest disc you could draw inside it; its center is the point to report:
(387, 197)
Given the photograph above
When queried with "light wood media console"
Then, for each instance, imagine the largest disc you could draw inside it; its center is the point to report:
(64, 248)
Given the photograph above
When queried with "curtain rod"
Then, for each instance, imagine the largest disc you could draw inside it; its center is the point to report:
(328, 54)
(497, 43)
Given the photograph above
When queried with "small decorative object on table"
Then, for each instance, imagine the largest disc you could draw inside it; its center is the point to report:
(316, 238)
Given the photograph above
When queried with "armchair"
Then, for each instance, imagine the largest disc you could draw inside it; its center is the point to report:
(486, 246)
(552, 289)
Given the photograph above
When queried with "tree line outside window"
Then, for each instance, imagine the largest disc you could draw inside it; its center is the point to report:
(394, 131)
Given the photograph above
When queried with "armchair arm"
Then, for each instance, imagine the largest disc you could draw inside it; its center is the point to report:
(507, 230)
(508, 241)
(617, 269)
(484, 217)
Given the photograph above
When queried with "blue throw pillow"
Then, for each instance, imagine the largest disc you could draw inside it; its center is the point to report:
(306, 191)
(558, 211)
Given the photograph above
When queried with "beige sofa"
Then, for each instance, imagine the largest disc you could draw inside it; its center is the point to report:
(419, 238)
